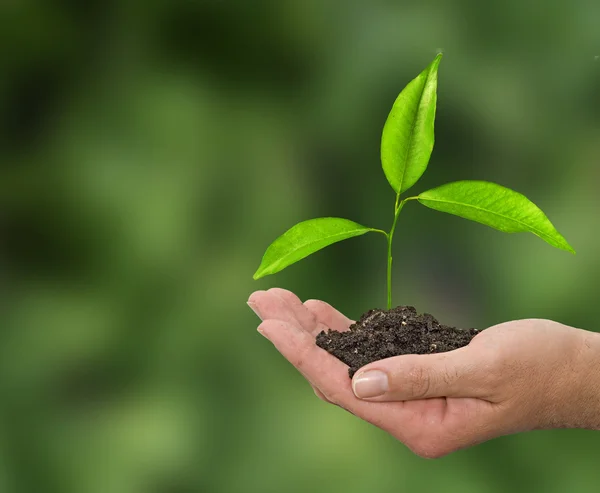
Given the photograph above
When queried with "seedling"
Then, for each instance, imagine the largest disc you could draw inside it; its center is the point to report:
(406, 146)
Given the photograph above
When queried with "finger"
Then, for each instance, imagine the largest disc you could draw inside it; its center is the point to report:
(299, 348)
(320, 394)
(330, 376)
(279, 304)
(305, 317)
(275, 305)
(400, 378)
(275, 331)
(329, 316)
(269, 306)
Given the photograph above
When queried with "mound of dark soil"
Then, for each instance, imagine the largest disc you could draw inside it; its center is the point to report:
(381, 334)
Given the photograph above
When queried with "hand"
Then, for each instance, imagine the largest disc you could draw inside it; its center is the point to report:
(513, 377)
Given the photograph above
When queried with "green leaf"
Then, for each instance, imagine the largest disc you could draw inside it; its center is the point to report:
(496, 206)
(305, 238)
(407, 139)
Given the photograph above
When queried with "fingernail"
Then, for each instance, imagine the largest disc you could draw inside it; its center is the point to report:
(253, 308)
(371, 383)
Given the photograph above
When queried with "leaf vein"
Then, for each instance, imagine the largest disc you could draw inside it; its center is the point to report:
(532, 228)
(305, 245)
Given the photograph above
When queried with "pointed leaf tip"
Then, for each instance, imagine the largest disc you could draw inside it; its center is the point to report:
(304, 239)
(408, 134)
(496, 206)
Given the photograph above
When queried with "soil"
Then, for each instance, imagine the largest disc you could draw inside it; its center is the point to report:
(381, 334)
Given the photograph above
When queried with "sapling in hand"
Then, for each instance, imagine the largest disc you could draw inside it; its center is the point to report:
(406, 146)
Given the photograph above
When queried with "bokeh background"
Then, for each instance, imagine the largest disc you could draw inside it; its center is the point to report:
(151, 150)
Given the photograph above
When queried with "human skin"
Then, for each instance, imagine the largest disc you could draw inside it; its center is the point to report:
(513, 377)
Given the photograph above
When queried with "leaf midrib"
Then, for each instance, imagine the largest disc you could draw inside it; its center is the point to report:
(533, 228)
(412, 131)
(281, 259)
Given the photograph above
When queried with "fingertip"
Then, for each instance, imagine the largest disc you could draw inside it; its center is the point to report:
(318, 309)
(267, 327)
(328, 315)
(273, 328)
(255, 297)
(285, 295)
(254, 308)
(319, 306)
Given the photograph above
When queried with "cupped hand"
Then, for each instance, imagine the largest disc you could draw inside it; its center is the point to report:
(513, 377)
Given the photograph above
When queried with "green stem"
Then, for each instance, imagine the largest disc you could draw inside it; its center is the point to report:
(398, 207)
(389, 263)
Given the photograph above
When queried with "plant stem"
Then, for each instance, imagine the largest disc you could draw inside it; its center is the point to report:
(390, 236)
(398, 208)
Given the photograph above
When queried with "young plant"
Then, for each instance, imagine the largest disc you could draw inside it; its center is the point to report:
(406, 146)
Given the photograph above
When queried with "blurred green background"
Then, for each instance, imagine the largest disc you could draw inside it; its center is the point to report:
(151, 150)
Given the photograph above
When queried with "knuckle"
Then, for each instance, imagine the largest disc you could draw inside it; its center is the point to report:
(335, 397)
(320, 395)
(449, 375)
(494, 372)
(419, 382)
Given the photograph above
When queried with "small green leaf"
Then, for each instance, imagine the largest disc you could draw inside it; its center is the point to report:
(305, 238)
(496, 206)
(407, 140)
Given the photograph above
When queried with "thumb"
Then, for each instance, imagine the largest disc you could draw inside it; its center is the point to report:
(402, 378)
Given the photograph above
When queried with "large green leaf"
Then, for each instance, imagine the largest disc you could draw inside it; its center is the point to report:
(495, 206)
(407, 139)
(305, 238)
